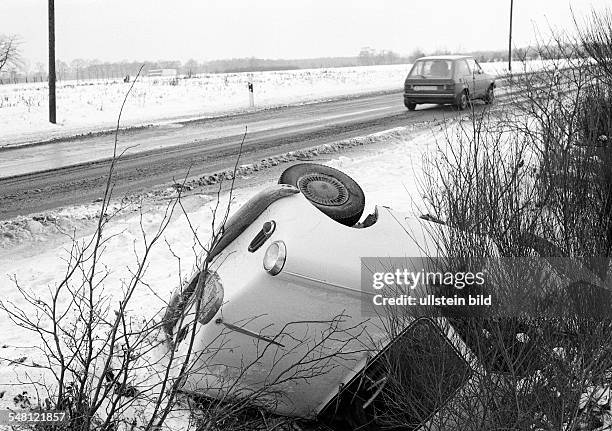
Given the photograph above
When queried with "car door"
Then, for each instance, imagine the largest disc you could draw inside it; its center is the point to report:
(464, 75)
(478, 78)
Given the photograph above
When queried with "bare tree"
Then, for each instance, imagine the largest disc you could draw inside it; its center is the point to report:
(77, 65)
(9, 51)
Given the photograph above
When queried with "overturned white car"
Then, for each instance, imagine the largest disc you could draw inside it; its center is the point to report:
(281, 315)
(280, 307)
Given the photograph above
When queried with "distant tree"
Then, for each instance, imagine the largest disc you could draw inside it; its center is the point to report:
(106, 69)
(41, 70)
(93, 69)
(442, 51)
(521, 54)
(417, 53)
(9, 51)
(123, 68)
(26, 68)
(386, 57)
(191, 67)
(62, 69)
(77, 66)
(366, 56)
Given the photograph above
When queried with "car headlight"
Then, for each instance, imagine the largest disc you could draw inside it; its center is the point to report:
(274, 258)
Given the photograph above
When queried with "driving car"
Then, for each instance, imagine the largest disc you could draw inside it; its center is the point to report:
(447, 79)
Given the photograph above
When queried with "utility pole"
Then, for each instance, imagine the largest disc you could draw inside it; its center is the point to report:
(510, 40)
(52, 61)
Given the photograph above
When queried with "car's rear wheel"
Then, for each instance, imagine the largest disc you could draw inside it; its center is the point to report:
(411, 106)
(490, 95)
(333, 192)
(462, 101)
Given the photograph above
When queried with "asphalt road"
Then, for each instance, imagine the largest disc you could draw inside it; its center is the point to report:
(74, 171)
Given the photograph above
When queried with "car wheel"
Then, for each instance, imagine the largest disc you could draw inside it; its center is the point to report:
(333, 192)
(490, 96)
(462, 101)
(411, 106)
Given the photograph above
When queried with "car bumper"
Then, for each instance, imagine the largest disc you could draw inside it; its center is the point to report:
(431, 97)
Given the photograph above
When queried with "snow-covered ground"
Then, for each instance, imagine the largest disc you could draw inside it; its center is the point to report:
(33, 252)
(90, 106)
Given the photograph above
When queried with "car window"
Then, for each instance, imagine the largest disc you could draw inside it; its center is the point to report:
(432, 69)
(474, 66)
(462, 68)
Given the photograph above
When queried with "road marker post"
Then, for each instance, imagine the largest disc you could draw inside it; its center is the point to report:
(251, 98)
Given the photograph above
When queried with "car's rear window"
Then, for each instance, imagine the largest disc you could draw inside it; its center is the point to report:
(432, 69)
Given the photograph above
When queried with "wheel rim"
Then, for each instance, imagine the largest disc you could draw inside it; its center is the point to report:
(323, 189)
(463, 101)
(490, 95)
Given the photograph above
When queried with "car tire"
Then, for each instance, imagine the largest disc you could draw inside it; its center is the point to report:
(333, 192)
(462, 101)
(490, 95)
(411, 106)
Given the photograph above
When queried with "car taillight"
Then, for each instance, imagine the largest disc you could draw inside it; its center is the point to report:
(275, 257)
(211, 298)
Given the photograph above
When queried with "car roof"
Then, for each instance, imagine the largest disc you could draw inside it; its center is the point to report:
(445, 57)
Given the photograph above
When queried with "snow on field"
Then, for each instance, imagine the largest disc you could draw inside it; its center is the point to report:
(385, 171)
(90, 106)
(94, 105)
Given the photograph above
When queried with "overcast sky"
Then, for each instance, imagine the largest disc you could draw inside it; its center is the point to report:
(112, 30)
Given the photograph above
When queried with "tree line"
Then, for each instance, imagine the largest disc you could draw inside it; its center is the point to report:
(89, 69)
